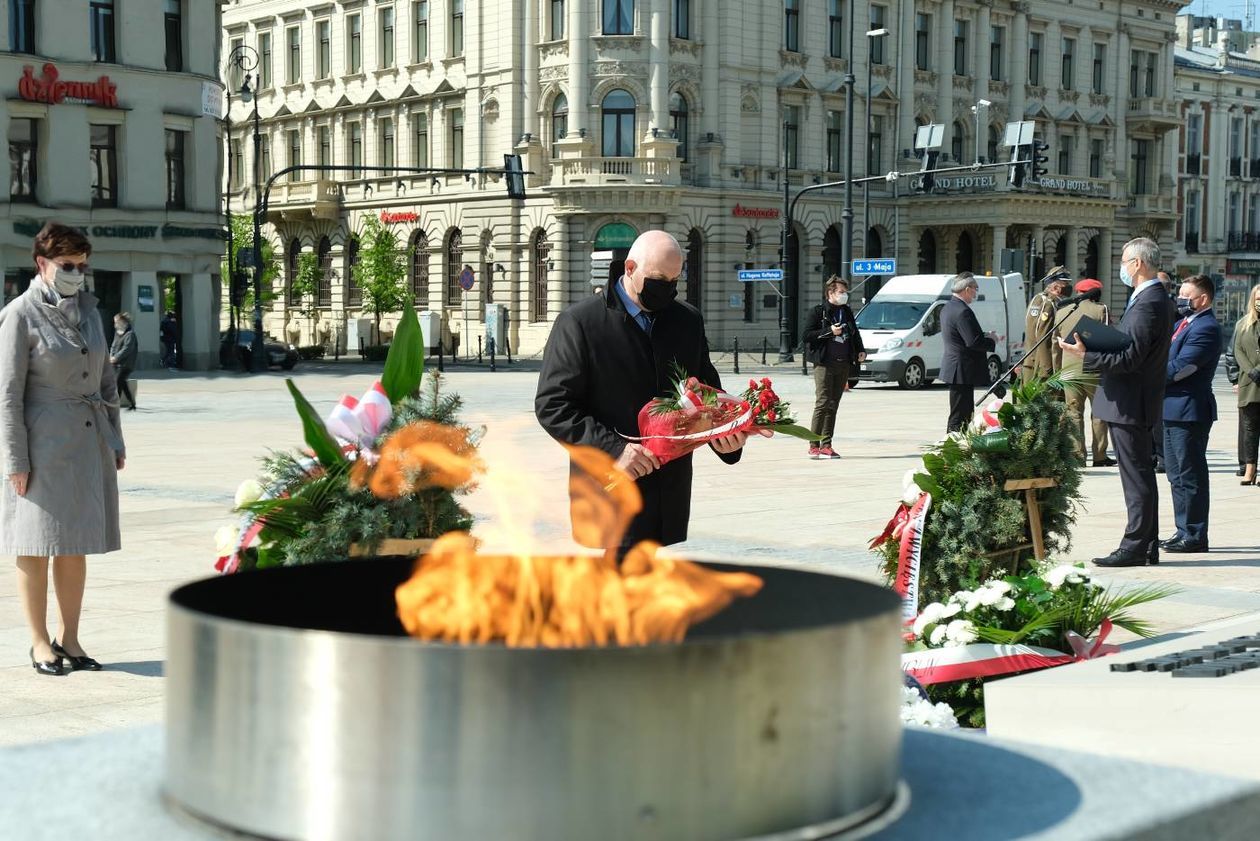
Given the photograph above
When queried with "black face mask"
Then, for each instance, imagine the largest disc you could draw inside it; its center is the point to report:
(657, 293)
(1183, 307)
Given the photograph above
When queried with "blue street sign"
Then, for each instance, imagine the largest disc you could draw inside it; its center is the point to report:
(466, 279)
(751, 275)
(884, 266)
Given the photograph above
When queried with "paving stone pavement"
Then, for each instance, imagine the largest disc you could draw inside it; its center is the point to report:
(197, 436)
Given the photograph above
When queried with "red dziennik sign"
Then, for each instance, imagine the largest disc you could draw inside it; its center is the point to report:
(390, 218)
(53, 90)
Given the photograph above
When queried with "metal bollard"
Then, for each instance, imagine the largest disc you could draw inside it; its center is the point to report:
(478, 350)
(736, 354)
(490, 343)
(764, 345)
(508, 345)
(804, 365)
(441, 354)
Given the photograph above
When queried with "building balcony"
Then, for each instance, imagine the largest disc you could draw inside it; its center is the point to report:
(1153, 113)
(1153, 205)
(1244, 242)
(572, 172)
(305, 199)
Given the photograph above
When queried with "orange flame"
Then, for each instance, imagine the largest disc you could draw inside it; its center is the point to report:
(459, 596)
(420, 455)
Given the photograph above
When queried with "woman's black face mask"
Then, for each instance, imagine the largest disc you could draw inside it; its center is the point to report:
(657, 293)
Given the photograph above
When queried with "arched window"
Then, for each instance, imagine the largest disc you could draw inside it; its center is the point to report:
(354, 293)
(540, 256)
(291, 270)
(993, 145)
(618, 125)
(454, 265)
(678, 122)
(832, 253)
(324, 255)
(559, 121)
(420, 270)
(965, 256)
(618, 17)
(695, 266)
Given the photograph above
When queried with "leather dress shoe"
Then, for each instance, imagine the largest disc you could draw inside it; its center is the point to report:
(1126, 558)
(47, 667)
(1176, 538)
(1106, 462)
(85, 662)
(1186, 546)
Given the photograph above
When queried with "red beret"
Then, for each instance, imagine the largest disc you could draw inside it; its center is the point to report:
(1087, 285)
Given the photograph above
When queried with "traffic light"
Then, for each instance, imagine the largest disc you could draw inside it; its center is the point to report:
(514, 176)
(1039, 157)
(927, 180)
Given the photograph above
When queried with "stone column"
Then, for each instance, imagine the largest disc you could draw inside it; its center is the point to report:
(711, 40)
(579, 82)
(1052, 58)
(945, 73)
(658, 64)
(199, 336)
(999, 242)
(1216, 145)
(1039, 243)
(1109, 278)
(1019, 60)
(1072, 250)
(904, 62)
(1120, 138)
(567, 274)
(980, 62)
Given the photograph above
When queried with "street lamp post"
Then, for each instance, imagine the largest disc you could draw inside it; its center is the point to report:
(258, 355)
(871, 36)
(789, 267)
(242, 60)
(846, 215)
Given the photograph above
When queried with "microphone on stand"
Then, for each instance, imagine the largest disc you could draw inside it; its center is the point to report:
(1092, 295)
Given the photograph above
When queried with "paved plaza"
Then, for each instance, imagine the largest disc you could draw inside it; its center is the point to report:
(198, 436)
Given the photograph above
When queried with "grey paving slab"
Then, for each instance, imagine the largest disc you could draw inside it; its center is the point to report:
(198, 436)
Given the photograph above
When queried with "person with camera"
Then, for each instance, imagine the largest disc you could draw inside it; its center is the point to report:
(834, 344)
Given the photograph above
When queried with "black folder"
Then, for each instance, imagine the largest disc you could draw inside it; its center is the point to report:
(1098, 336)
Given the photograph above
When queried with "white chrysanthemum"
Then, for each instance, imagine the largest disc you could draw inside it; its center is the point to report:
(951, 609)
(225, 540)
(1007, 603)
(909, 490)
(960, 632)
(917, 712)
(1065, 574)
(249, 491)
(938, 635)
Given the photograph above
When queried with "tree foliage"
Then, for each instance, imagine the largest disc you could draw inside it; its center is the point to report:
(243, 238)
(381, 270)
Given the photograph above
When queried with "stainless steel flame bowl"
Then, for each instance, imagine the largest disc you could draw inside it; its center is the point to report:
(297, 708)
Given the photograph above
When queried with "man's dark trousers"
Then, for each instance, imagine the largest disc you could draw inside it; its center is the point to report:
(961, 400)
(1185, 460)
(1133, 445)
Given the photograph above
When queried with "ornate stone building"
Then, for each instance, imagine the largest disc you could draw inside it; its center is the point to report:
(681, 115)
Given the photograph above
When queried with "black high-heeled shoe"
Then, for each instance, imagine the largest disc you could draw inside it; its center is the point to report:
(76, 663)
(53, 668)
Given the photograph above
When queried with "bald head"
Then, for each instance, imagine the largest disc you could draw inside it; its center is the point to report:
(655, 255)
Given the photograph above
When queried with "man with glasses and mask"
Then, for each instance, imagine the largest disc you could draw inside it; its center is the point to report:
(1189, 410)
(1130, 397)
(606, 357)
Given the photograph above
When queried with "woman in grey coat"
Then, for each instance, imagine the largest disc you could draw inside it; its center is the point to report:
(60, 440)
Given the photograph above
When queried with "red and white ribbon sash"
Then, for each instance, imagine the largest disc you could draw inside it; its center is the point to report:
(361, 422)
(967, 662)
(910, 557)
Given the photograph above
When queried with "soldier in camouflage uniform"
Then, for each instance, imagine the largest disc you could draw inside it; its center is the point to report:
(1040, 322)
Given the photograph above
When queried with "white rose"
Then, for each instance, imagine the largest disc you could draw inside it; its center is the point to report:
(1065, 573)
(225, 540)
(909, 490)
(960, 632)
(248, 491)
(938, 635)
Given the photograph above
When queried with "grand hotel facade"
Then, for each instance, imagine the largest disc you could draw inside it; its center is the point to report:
(681, 115)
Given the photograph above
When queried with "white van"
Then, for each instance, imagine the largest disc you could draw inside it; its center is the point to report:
(901, 326)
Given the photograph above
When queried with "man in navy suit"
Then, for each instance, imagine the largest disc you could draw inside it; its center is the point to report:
(965, 360)
(1130, 397)
(1189, 409)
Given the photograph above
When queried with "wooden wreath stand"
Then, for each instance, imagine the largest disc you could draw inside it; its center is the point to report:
(1038, 544)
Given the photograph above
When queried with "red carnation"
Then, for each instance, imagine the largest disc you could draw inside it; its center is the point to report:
(771, 416)
(765, 382)
(752, 384)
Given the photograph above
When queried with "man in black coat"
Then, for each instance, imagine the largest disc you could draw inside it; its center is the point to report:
(965, 360)
(607, 356)
(1130, 397)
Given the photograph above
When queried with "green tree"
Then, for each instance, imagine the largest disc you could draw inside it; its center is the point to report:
(381, 272)
(243, 238)
(306, 287)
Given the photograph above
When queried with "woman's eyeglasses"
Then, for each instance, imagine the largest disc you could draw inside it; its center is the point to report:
(81, 268)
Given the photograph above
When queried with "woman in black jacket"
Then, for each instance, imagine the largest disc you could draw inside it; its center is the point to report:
(834, 345)
(122, 355)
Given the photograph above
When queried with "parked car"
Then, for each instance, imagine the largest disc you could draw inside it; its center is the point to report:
(279, 354)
